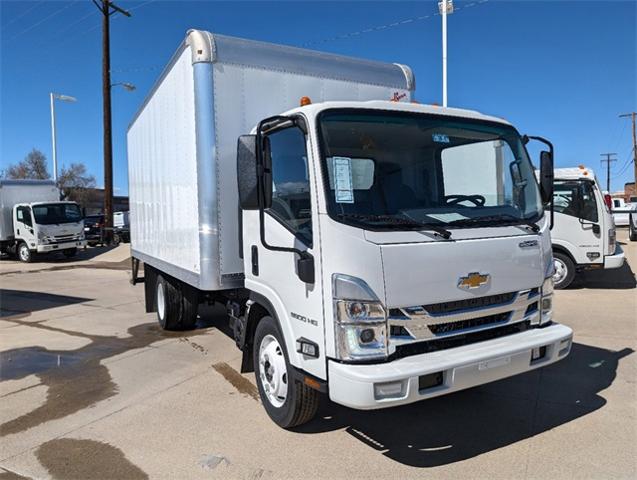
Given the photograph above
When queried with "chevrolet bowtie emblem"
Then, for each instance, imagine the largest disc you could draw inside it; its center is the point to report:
(473, 280)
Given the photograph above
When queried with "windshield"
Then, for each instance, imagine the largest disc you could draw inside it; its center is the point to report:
(400, 170)
(54, 213)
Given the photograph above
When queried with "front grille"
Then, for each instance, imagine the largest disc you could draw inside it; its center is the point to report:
(442, 328)
(417, 348)
(469, 303)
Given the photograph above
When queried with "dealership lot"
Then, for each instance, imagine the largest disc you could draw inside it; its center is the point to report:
(92, 388)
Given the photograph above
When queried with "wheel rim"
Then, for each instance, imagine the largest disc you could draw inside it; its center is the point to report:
(273, 371)
(560, 271)
(161, 301)
(24, 253)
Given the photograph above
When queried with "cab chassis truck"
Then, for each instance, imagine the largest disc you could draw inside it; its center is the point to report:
(366, 247)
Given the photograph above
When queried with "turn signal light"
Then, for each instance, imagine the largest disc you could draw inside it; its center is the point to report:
(305, 101)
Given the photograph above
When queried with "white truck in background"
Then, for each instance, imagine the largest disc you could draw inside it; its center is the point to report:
(366, 247)
(33, 220)
(621, 211)
(584, 236)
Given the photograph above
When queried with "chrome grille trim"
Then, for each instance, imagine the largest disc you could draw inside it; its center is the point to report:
(416, 320)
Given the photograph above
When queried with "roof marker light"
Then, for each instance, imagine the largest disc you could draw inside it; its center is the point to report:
(305, 101)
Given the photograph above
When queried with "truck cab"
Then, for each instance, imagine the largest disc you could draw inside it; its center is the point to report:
(46, 227)
(403, 249)
(584, 233)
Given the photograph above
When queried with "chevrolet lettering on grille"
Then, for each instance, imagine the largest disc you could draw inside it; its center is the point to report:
(473, 280)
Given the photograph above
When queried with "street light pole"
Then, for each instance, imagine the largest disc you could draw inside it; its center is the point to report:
(55, 158)
(64, 98)
(445, 7)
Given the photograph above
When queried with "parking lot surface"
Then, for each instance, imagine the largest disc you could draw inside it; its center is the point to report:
(92, 388)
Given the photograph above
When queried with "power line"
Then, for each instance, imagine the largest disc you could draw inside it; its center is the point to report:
(627, 163)
(28, 10)
(633, 116)
(36, 24)
(378, 28)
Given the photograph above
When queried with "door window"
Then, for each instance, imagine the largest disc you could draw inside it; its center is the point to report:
(23, 215)
(291, 203)
(576, 199)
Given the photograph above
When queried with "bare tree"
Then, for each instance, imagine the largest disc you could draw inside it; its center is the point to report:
(77, 185)
(33, 167)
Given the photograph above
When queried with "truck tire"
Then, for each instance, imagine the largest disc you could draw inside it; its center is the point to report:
(176, 310)
(632, 230)
(24, 254)
(564, 270)
(287, 402)
(70, 252)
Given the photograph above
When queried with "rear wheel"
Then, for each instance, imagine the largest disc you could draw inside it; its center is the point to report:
(24, 254)
(287, 402)
(564, 270)
(176, 309)
(632, 229)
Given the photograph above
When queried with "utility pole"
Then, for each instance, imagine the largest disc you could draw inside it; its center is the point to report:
(633, 115)
(608, 161)
(107, 8)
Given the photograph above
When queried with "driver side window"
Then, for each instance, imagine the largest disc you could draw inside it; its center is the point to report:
(23, 215)
(291, 204)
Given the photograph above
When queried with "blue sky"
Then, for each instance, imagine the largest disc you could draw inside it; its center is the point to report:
(563, 69)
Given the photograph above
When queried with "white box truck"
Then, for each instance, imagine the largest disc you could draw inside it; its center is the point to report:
(583, 235)
(34, 220)
(367, 247)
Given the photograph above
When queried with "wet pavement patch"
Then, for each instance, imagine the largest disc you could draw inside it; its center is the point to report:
(75, 379)
(69, 458)
(238, 381)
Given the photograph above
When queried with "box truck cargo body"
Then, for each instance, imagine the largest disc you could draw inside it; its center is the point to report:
(366, 247)
(34, 220)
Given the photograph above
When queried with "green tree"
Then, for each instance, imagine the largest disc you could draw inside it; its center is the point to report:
(32, 167)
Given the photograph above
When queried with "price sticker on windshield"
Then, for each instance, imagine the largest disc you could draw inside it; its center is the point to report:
(343, 187)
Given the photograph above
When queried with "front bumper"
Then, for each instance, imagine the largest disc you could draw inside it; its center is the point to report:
(616, 260)
(461, 367)
(53, 247)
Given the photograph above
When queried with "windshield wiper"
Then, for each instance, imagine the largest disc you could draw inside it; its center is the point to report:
(440, 231)
(491, 220)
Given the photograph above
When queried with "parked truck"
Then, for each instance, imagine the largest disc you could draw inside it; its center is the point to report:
(367, 247)
(584, 235)
(33, 220)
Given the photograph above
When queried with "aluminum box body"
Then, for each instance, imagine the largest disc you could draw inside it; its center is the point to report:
(184, 207)
(13, 192)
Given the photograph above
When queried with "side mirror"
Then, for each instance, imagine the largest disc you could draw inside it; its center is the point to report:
(305, 267)
(247, 172)
(546, 176)
(596, 229)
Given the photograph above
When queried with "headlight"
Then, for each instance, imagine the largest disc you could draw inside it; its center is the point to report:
(361, 320)
(546, 301)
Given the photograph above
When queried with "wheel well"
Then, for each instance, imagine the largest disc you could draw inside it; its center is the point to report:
(259, 309)
(564, 251)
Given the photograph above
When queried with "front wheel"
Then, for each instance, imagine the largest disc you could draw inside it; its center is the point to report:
(24, 254)
(287, 402)
(564, 270)
(632, 230)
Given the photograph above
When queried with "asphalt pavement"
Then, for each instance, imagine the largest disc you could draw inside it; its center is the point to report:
(90, 387)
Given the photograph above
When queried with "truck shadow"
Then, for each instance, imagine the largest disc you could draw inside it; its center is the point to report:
(463, 425)
(617, 278)
(24, 302)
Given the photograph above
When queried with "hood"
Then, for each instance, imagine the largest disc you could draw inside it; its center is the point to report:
(425, 273)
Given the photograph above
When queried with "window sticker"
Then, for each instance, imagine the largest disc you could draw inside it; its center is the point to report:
(447, 217)
(343, 180)
(440, 138)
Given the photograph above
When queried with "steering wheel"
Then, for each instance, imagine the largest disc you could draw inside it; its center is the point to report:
(477, 200)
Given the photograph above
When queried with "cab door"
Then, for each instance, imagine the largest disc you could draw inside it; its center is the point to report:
(23, 225)
(577, 221)
(290, 222)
